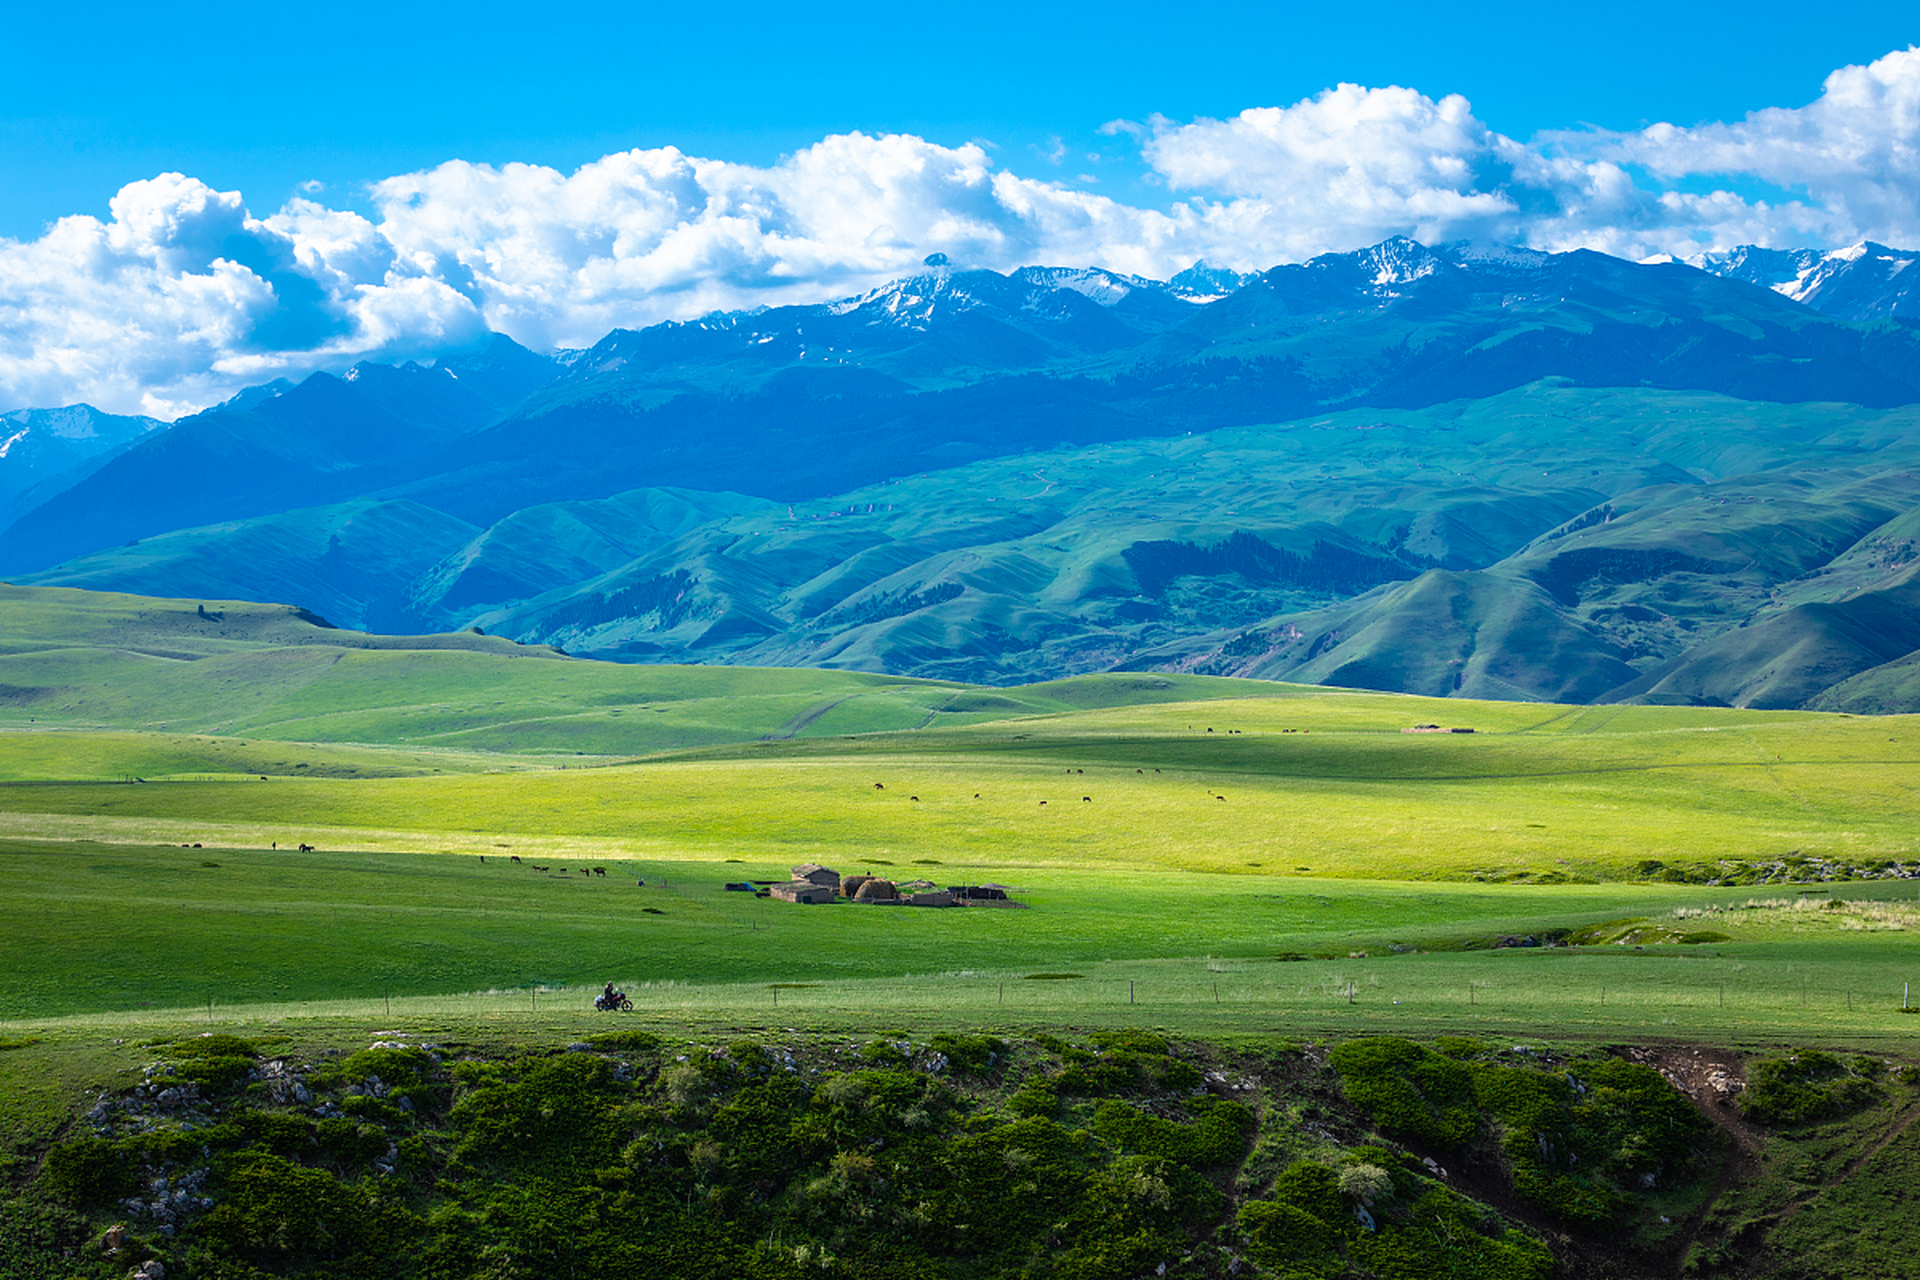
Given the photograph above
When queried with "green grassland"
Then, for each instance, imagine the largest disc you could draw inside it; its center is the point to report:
(1219, 880)
(96, 661)
(1180, 847)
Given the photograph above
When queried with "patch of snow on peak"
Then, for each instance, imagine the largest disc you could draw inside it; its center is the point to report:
(1093, 283)
(1398, 261)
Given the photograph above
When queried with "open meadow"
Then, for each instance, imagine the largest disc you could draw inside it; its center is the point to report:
(275, 903)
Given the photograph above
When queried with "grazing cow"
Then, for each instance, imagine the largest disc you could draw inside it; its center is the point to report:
(306, 848)
(1086, 797)
(914, 798)
(1043, 802)
(1219, 797)
(1139, 771)
(600, 871)
(539, 868)
(879, 786)
(513, 857)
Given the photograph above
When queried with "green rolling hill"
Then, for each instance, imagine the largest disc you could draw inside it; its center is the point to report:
(1554, 542)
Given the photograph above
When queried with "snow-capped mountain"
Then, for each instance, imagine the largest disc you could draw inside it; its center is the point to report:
(39, 444)
(1866, 281)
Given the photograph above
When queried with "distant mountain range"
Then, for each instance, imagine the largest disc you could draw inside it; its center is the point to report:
(1866, 282)
(1504, 474)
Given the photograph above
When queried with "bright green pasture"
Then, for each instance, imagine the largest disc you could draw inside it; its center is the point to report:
(1313, 783)
(278, 934)
(43, 755)
(101, 661)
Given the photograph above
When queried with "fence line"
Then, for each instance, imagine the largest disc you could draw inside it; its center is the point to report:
(1349, 992)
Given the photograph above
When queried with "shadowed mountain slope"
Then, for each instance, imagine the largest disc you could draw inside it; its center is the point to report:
(327, 440)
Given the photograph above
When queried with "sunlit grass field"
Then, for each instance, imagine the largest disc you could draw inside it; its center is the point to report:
(1239, 863)
(1320, 783)
(1213, 854)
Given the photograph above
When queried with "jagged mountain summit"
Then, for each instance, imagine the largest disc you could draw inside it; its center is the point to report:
(46, 449)
(1866, 281)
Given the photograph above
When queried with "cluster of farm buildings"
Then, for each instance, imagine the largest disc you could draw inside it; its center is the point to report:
(812, 884)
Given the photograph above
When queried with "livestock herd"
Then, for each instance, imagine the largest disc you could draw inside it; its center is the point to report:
(585, 871)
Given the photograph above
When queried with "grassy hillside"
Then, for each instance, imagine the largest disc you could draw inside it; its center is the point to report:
(89, 661)
(1548, 543)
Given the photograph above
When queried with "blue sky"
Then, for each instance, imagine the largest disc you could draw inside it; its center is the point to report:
(199, 198)
(261, 98)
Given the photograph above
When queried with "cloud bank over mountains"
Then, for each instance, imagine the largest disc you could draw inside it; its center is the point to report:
(183, 294)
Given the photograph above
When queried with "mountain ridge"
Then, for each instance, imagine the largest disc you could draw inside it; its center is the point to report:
(1455, 469)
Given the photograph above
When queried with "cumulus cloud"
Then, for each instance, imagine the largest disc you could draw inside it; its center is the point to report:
(1855, 151)
(182, 295)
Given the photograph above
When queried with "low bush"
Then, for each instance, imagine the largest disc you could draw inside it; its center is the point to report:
(89, 1171)
(1408, 1090)
(1803, 1087)
(970, 1055)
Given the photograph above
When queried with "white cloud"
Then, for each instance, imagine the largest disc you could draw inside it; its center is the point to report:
(182, 295)
(1855, 151)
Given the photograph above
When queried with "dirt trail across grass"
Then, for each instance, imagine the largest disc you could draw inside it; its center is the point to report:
(805, 718)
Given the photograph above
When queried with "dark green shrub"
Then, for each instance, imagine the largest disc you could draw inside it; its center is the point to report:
(1038, 1095)
(348, 1142)
(218, 1045)
(273, 1212)
(278, 1132)
(886, 1053)
(638, 1043)
(542, 1113)
(1805, 1086)
(970, 1055)
(1408, 1090)
(89, 1171)
(1220, 1136)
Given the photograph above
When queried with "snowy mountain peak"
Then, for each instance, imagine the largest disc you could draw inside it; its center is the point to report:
(1107, 288)
(1865, 281)
(1204, 282)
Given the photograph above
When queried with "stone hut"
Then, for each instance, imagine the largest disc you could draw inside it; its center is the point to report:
(804, 892)
(814, 873)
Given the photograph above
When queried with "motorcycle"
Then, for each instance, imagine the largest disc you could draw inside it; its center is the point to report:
(607, 1004)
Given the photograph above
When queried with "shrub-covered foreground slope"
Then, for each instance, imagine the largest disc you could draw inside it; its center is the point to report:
(446, 1152)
